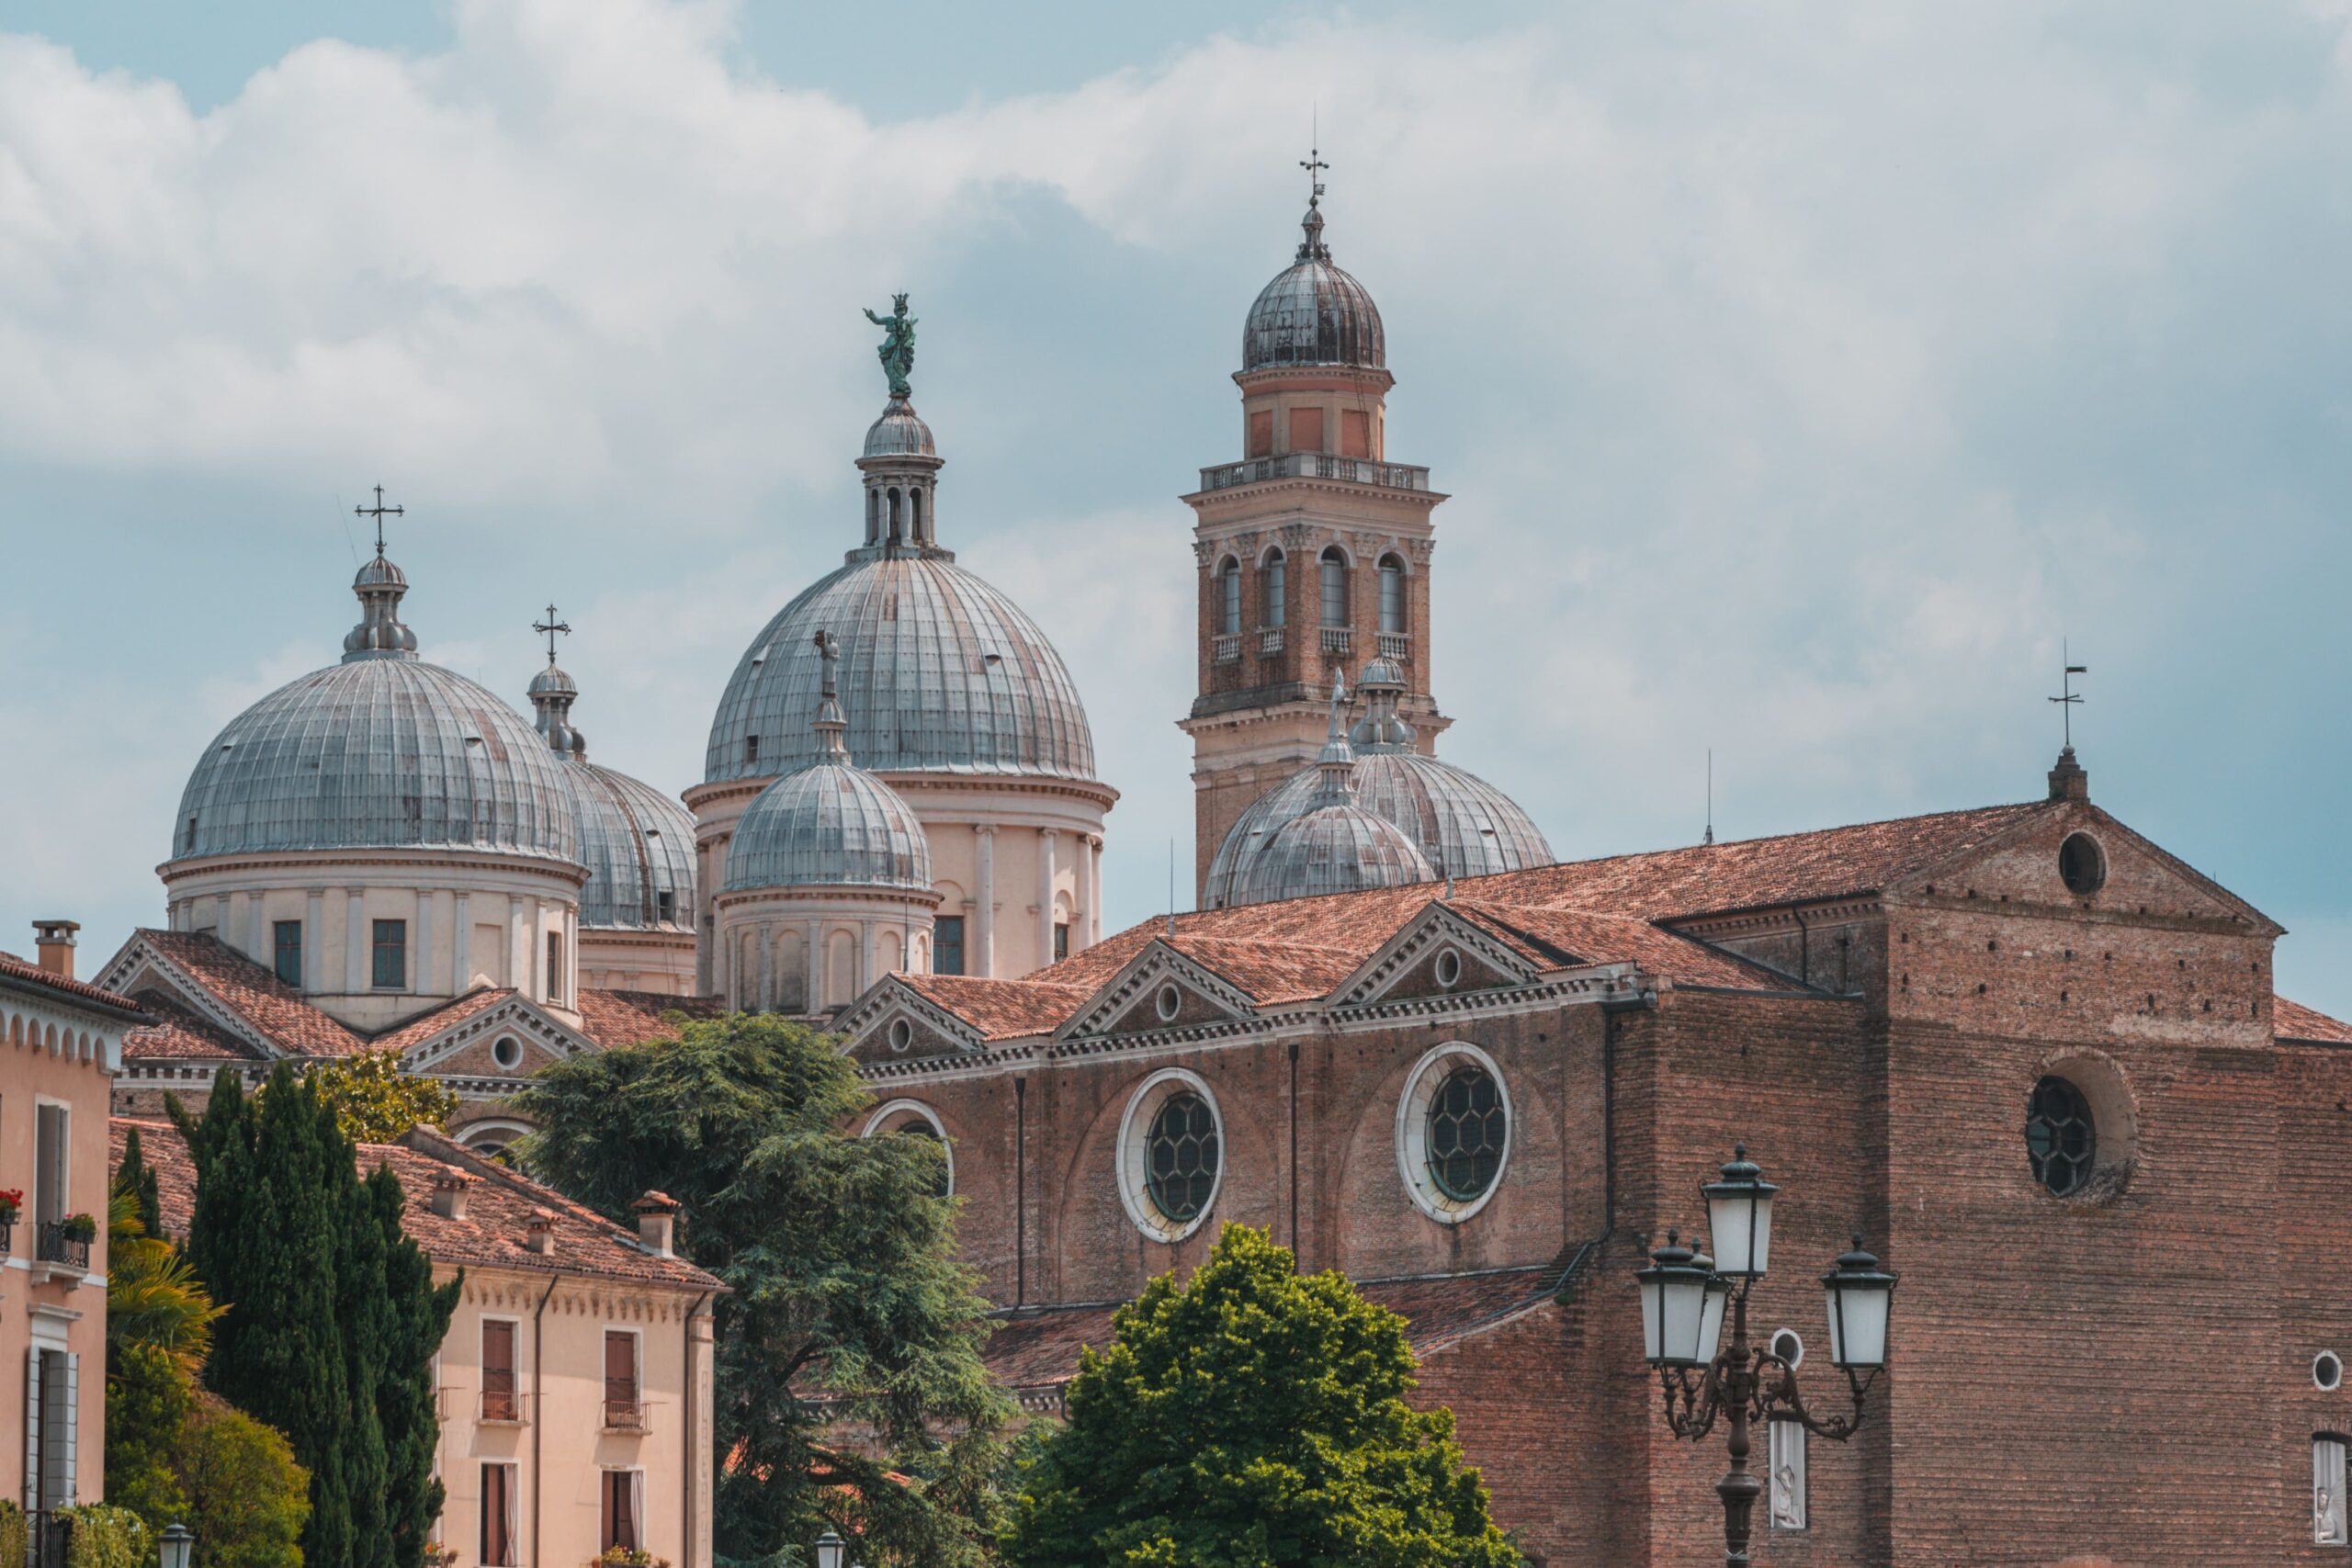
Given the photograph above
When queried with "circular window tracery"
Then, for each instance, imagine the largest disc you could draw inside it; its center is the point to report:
(2061, 1136)
(1454, 1132)
(1171, 1154)
(2327, 1372)
(2082, 864)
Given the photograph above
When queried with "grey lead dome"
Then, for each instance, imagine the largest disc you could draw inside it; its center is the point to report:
(831, 824)
(1313, 313)
(940, 673)
(638, 844)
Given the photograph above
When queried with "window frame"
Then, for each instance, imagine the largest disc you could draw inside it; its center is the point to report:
(52, 1200)
(1132, 1152)
(514, 1371)
(636, 1336)
(377, 948)
(1228, 597)
(1396, 595)
(1414, 1164)
(941, 943)
(1273, 583)
(510, 1516)
(1784, 1435)
(279, 948)
(2084, 1165)
(1332, 588)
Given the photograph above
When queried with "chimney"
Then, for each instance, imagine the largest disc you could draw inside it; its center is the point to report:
(54, 945)
(449, 1192)
(540, 1236)
(657, 1219)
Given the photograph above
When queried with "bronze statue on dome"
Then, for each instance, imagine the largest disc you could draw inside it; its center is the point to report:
(898, 349)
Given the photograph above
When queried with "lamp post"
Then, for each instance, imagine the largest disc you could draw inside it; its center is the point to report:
(1684, 1292)
(829, 1551)
(178, 1540)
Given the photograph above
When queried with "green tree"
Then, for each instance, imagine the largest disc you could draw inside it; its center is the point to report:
(247, 1497)
(1249, 1417)
(376, 1099)
(840, 1256)
(135, 1176)
(148, 1401)
(315, 1342)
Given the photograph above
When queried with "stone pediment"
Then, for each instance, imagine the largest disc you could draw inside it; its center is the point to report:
(1408, 964)
(1160, 988)
(873, 1032)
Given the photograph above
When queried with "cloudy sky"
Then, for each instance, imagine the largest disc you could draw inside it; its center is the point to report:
(1802, 375)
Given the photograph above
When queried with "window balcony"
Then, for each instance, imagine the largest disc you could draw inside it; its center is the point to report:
(7, 1233)
(502, 1406)
(51, 1243)
(1270, 641)
(624, 1411)
(1339, 642)
(1225, 649)
(1397, 644)
(1317, 466)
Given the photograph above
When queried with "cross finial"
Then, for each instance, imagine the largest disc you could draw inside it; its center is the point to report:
(551, 626)
(2068, 698)
(1314, 165)
(379, 512)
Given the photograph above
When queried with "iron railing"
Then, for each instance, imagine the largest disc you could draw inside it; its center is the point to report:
(7, 1232)
(499, 1400)
(52, 1245)
(623, 1409)
(1316, 465)
(49, 1539)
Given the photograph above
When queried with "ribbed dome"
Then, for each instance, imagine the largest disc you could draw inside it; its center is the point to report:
(1313, 313)
(1338, 847)
(382, 751)
(638, 844)
(940, 673)
(900, 433)
(828, 825)
(1462, 825)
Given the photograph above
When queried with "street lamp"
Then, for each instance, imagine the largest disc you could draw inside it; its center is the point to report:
(1683, 1294)
(829, 1551)
(178, 1540)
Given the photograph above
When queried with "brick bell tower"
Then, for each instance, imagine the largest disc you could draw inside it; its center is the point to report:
(1313, 550)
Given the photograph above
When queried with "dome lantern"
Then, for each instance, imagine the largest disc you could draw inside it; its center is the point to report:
(1313, 313)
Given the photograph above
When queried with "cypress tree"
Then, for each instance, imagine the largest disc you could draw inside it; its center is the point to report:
(333, 1317)
(136, 1177)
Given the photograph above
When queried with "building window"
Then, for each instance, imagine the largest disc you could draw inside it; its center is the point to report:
(1307, 430)
(506, 1053)
(2329, 1525)
(286, 950)
(52, 1150)
(947, 945)
(1275, 579)
(499, 1400)
(1335, 587)
(392, 955)
(1061, 939)
(914, 514)
(1229, 597)
(623, 1527)
(2082, 866)
(1261, 433)
(1784, 1460)
(665, 906)
(2060, 1137)
(1392, 594)
(1180, 1157)
(751, 748)
(623, 1407)
(1468, 1131)
(1355, 433)
(557, 991)
(498, 1516)
(187, 841)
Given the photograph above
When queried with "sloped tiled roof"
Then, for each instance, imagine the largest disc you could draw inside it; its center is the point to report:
(500, 1204)
(24, 971)
(432, 1021)
(179, 1034)
(1000, 1010)
(2293, 1020)
(1039, 1349)
(1290, 972)
(275, 1010)
(1556, 937)
(615, 1018)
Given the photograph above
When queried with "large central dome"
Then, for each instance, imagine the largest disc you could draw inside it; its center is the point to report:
(939, 671)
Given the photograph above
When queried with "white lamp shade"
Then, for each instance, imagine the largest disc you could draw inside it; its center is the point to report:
(1676, 1292)
(1739, 1218)
(1711, 1320)
(176, 1543)
(829, 1551)
(1861, 1298)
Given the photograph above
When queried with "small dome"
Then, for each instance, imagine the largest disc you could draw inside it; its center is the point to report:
(639, 844)
(1338, 847)
(552, 682)
(1313, 313)
(940, 673)
(1462, 825)
(379, 573)
(900, 433)
(832, 824)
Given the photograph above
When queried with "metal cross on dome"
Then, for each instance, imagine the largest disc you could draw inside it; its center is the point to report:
(551, 626)
(1314, 165)
(2069, 699)
(379, 512)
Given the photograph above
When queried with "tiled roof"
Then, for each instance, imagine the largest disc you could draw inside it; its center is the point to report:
(23, 972)
(615, 1018)
(275, 1010)
(1270, 973)
(1040, 1349)
(432, 1021)
(500, 1205)
(2293, 1020)
(1553, 938)
(1000, 1010)
(177, 1034)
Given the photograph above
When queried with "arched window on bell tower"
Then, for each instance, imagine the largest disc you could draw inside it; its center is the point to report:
(1392, 594)
(1334, 566)
(1275, 577)
(1229, 597)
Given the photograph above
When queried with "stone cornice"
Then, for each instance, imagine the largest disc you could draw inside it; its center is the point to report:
(313, 860)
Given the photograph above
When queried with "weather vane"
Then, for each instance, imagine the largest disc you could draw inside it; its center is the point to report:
(1314, 165)
(2069, 699)
(551, 626)
(379, 512)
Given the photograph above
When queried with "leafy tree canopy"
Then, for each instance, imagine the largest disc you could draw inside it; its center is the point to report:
(376, 1099)
(840, 1256)
(1249, 1417)
(249, 1498)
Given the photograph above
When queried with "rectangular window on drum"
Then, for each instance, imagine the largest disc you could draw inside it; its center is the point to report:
(2330, 1526)
(1355, 433)
(1307, 430)
(286, 950)
(947, 945)
(392, 955)
(1061, 939)
(1261, 433)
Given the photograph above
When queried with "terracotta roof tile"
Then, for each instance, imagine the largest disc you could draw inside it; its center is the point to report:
(275, 1010)
(500, 1207)
(2293, 1020)
(25, 972)
(615, 1018)
(179, 1034)
(1553, 938)
(433, 1020)
(1000, 1010)
(1271, 973)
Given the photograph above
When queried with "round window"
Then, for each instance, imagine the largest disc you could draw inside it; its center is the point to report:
(1449, 968)
(2060, 1136)
(1468, 1128)
(1181, 1157)
(1171, 1002)
(2082, 864)
(1790, 1347)
(507, 1052)
(1454, 1132)
(2327, 1372)
(902, 1034)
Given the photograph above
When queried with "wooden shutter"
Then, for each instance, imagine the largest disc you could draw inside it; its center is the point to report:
(68, 1431)
(32, 1430)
